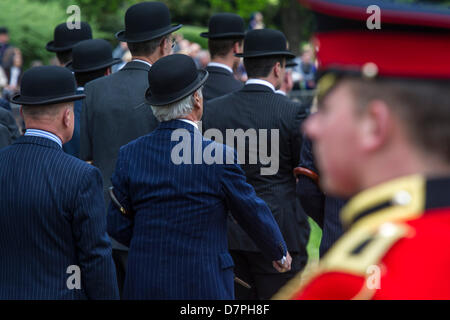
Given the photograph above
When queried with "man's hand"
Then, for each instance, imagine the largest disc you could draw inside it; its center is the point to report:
(283, 267)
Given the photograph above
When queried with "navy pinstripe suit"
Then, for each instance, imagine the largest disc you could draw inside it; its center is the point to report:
(178, 237)
(52, 217)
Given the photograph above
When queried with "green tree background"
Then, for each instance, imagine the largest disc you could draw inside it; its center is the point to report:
(31, 22)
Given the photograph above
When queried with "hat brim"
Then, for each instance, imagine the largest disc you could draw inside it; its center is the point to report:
(256, 54)
(52, 48)
(93, 68)
(291, 64)
(228, 35)
(20, 100)
(146, 36)
(157, 101)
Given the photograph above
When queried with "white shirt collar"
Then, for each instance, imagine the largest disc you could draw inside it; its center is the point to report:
(220, 65)
(261, 82)
(281, 92)
(147, 63)
(190, 122)
(80, 88)
(43, 134)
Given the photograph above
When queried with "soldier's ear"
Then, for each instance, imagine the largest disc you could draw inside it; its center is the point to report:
(376, 125)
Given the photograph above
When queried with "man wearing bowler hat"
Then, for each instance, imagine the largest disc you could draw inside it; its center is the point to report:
(115, 111)
(257, 107)
(53, 239)
(92, 59)
(173, 214)
(225, 39)
(382, 136)
(65, 39)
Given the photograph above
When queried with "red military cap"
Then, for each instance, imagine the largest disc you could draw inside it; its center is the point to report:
(413, 40)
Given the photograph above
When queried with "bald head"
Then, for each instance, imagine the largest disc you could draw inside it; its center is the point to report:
(56, 118)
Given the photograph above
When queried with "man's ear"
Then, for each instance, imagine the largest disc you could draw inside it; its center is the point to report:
(236, 47)
(277, 70)
(376, 125)
(162, 46)
(108, 71)
(197, 100)
(67, 117)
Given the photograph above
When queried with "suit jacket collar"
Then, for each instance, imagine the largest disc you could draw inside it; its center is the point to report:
(136, 65)
(177, 124)
(213, 69)
(256, 88)
(44, 142)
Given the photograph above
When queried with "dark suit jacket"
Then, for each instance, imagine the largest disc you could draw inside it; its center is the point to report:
(73, 146)
(258, 107)
(52, 217)
(178, 238)
(114, 113)
(220, 82)
(5, 136)
(12, 133)
(323, 209)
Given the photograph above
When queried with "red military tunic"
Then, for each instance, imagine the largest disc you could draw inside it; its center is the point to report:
(397, 246)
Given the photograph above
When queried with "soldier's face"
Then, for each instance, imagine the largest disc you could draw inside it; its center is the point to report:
(336, 136)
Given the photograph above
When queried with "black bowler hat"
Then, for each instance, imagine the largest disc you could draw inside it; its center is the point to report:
(265, 42)
(47, 85)
(146, 21)
(65, 39)
(91, 55)
(173, 78)
(225, 26)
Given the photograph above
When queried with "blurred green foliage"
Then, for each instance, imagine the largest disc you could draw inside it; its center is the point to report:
(314, 241)
(192, 33)
(31, 25)
(31, 22)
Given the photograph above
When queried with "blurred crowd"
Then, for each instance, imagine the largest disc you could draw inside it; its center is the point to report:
(299, 78)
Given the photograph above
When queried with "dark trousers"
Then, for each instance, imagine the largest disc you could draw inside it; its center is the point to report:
(259, 273)
(120, 258)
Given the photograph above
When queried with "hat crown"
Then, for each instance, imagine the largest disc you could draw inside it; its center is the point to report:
(47, 82)
(172, 74)
(64, 36)
(90, 53)
(264, 40)
(223, 23)
(146, 16)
